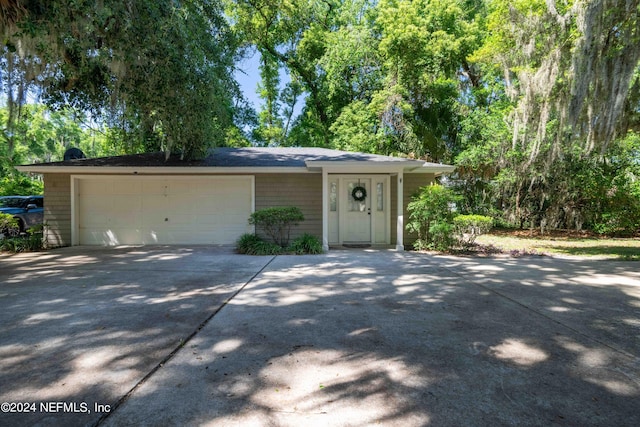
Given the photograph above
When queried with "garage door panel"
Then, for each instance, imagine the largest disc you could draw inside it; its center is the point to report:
(124, 211)
(126, 187)
(184, 187)
(153, 202)
(176, 210)
(157, 187)
(94, 187)
(223, 204)
(110, 236)
(155, 222)
(184, 201)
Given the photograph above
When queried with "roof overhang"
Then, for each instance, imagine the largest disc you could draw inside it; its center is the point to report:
(312, 166)
(436, 169)
(394, 167)
(156, 170)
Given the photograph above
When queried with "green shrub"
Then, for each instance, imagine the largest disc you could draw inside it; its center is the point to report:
(441, 234)
(31, 242)
(623, 221)
(266, 248)
(306, 244)
(431, 217)
(246, 242)
(468, 227)
(10, 244)
(251, 244)
(277, 222)
(8, 225)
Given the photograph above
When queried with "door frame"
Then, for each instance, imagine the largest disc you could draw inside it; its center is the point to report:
(380, 232)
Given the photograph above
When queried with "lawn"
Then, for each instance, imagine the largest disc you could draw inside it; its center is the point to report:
(562, 243)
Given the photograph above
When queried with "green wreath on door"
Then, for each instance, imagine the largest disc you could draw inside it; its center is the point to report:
(359, 193)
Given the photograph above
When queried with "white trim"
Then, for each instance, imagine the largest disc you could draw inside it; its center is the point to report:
(400, 218)
(75, 235)
(160, 170)
(437, 170)
(325, 211)
(253, 197)
(360, 167)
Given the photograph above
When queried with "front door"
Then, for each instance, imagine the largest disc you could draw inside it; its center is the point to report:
(357, 215)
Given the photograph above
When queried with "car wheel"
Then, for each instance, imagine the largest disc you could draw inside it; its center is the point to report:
(13, 231)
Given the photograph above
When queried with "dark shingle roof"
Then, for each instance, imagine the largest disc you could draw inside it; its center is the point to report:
(234, 157)
(288, 157)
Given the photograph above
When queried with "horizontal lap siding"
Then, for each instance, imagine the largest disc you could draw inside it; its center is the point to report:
(57, 209)
(300, 190)
(412, 183)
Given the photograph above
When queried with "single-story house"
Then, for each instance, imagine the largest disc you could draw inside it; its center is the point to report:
(346, 198)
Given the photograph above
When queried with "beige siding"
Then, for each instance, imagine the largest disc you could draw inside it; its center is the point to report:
(301, 190)
(57, 209)
(412, 183)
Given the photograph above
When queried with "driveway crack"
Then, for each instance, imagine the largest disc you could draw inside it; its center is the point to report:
(182, 343)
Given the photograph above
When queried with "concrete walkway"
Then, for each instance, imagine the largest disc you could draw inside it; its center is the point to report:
(350, 338)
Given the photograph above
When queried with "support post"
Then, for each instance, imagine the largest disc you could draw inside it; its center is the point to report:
(325, 210)
(400, 219)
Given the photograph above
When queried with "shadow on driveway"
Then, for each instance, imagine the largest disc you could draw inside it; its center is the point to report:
(366, 338)
(348, 338)
(84, 325)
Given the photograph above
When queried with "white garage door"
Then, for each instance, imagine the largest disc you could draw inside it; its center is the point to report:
(150, 210)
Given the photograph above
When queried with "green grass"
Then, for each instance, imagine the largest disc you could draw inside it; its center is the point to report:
(626, 249)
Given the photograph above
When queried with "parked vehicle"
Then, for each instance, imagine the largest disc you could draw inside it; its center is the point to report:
(27, 210)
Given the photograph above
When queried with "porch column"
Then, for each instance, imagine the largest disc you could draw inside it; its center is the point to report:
(325, 210)
(400, 222)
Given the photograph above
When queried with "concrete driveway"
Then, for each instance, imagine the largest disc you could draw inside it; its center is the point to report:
(199, 336)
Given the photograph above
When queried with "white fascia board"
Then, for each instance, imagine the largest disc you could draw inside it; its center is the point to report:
(350, 167)
(158, 170)
(409, 166)
(436, 169)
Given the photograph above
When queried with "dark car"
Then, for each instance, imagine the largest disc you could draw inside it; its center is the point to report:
(27, 210)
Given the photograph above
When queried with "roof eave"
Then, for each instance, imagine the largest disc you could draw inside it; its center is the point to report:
(406, 166)
(409, 166)
(158, 170)
(360, 166)
(435, 169)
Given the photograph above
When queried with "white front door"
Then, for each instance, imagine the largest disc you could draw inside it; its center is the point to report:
(358, 216)
(357, 212)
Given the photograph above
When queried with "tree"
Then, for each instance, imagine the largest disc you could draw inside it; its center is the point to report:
(287, 34)
(159, 71)
(568, 75)
(42, 135)
(424, 44)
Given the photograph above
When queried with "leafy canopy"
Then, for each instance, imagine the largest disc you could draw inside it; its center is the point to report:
(158, 71)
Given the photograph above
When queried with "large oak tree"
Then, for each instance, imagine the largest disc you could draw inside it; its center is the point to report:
(160, 71)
